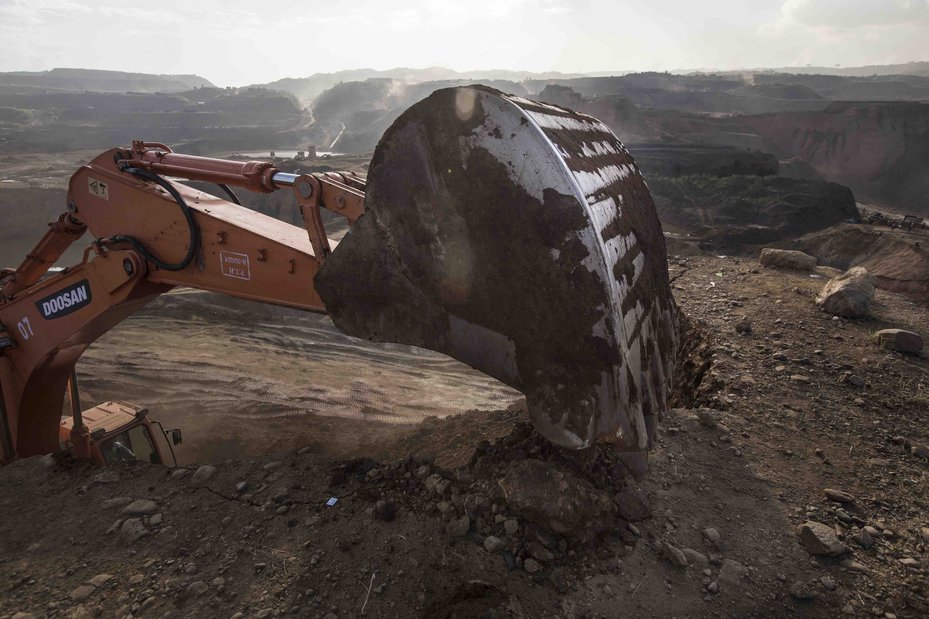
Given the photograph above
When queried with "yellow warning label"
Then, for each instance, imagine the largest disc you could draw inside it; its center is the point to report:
(98, 188)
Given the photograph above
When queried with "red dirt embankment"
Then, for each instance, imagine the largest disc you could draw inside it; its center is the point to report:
(877, 149)
(899, 261)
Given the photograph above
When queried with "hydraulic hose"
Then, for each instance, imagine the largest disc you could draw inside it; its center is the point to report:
(232, 197)
(192, 227)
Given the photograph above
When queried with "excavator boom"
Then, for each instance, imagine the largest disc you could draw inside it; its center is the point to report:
(515, 236)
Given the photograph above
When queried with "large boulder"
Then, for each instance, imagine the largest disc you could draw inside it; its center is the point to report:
(556, 500)
(899, 340)
(820, 539)
(787, 259)
(848, 295)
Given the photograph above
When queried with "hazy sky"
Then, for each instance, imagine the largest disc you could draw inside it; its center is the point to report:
(236, 42)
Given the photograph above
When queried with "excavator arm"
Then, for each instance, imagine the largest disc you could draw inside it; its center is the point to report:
(145, 227)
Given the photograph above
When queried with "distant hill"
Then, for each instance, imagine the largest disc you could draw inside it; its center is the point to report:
(908, 68)
(93, 80)
(308, 88)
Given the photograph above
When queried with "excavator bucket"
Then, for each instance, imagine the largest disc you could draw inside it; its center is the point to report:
(519, 238)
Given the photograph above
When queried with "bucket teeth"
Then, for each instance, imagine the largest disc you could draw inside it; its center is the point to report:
(521, 239)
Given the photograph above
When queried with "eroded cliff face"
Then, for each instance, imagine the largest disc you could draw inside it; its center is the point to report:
(877, 149)
(738, 213)
(898, 262)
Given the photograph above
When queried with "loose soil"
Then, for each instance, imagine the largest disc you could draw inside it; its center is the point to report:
(786, 428)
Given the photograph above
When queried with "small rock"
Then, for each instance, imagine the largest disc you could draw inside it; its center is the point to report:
(863, 538)
(743, 326)
(853, 379)
(855, 566)
(385, 511)
(82, 593)
(202, 475)
(117, 501)
(800, 378)
(540, 552)
(909, 562)
(459, 526)
(707, 417)
(712, 535)
(633, 504)
(432, 481)
(820, 539)
(838, 496)
(105, 477)
(531, 565)
(100, 579)
(136, 579)
(141, 507)
(899, 340)
(920, 451)
(732, 572)
(493, 543)
(697, 559)
(713, 587)
(156, 519)
(241, 487)
(511, 526)
(828, 583)
(132, 529)
(177, 474)
(802, 591)
(197, 588)
(674, 555)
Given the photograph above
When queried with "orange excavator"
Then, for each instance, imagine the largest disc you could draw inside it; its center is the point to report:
(515, 236)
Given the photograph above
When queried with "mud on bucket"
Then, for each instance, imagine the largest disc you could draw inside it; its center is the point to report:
(519, 238)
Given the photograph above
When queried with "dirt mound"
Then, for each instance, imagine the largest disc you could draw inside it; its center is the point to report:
(738, 212)
(308, 536)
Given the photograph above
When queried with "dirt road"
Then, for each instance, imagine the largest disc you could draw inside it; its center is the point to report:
(245, 379)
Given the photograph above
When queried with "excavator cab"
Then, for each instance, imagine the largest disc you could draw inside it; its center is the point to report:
(120, 432)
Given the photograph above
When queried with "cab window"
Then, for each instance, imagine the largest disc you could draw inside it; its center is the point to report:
(132, 444)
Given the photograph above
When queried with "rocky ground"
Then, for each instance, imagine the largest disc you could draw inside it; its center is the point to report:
(791, 481)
